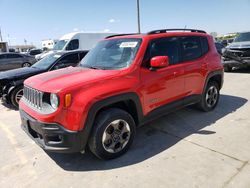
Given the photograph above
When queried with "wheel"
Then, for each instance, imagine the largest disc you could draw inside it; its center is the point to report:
(228, 69)
(26, 65)
(15, 96)
(210, 97)
(114, 131)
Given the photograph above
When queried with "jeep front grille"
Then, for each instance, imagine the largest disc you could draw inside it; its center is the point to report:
(33, 97)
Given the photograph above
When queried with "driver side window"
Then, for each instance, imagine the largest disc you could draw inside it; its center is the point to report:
(66, 61)
(73, 45)
(163, 47)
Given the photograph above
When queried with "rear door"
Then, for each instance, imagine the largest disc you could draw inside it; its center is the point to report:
(14, 61)
(2, 62)
(193, 59)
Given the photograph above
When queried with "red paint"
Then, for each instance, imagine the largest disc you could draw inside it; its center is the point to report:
(154, 88)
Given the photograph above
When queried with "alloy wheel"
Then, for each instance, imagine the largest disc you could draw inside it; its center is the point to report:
(116, 136)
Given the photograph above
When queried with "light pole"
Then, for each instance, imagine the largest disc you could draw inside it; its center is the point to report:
(138, 16)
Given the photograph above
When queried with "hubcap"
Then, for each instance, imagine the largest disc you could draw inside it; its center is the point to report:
(116, 136)
(211, 96)
(26, 65)
(19, 95)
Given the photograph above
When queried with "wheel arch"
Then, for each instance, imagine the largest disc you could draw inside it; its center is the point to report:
(122, 101)
(217, 76)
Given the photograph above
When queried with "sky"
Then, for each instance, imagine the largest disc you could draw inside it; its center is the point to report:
(35, 20)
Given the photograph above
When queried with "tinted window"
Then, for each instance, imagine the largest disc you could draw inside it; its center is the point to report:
(165, 47)
(82, 54)
(2, 56)
(35, 52)
(66, 61)
(13, 56)
(73, 45)
(191, 48)
(204, 45)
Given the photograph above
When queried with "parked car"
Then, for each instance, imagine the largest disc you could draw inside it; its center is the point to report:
(75, 41)
(10, 61)
(122, 83)
(237, 54)
(11, 82)
(219, 47)
(34, 52)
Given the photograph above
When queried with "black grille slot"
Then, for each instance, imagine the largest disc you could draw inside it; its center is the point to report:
(33, 97)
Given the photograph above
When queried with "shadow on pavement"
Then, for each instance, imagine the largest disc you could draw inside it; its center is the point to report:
(155, 137)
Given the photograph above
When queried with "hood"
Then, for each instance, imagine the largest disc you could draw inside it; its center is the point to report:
(67, 78)
(239, 45)
(19, 74)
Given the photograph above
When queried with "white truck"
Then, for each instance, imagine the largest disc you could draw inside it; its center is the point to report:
(76, 41)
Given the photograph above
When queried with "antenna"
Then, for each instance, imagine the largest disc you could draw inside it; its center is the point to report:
(185, 28)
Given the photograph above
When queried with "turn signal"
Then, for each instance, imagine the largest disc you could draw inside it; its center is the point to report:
(67, 100)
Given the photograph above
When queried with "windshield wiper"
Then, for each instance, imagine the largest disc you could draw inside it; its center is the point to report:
(93, 67)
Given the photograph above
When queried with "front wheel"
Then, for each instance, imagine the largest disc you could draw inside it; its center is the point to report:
(16, 95)
(210, 97)
(114, 131)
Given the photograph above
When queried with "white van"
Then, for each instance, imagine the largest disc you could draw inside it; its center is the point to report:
(76, 41)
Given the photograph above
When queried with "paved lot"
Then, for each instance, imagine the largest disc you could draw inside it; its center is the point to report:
(187, 148)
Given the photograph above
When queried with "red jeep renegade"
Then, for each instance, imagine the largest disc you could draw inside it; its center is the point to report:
(123, 82)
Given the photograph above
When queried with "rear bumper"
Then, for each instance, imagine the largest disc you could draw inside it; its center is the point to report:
(53, 137)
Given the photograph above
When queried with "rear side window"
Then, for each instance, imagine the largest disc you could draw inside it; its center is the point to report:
(190, 48)
(73, 45)
(204, 45)
(13, 56)
(165, 47)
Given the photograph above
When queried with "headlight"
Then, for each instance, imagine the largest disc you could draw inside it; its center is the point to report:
(54, 101)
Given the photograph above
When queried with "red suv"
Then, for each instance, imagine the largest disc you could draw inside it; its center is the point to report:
(122, 83)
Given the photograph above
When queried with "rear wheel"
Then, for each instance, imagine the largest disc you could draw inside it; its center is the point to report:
(210, 97)
(113, 133)
(16, 95)
(26, 65)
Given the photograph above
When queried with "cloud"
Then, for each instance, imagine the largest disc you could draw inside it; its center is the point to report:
(106, 30)
(75, 29)
(112, 20)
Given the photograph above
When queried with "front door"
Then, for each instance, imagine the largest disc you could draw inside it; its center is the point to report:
(165, 85)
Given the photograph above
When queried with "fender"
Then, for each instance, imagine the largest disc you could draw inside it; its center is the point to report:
(214, 73)
(96, 107)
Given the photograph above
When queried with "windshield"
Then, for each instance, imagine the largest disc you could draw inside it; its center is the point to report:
(46, 62)
(60, 45)
(242, 37)
(112, 54)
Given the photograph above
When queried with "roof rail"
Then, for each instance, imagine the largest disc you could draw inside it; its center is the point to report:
(118, 35)
(166, 30)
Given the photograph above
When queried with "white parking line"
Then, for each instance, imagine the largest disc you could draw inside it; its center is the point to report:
(11, 137)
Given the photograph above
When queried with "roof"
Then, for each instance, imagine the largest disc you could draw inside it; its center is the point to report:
(161, 32)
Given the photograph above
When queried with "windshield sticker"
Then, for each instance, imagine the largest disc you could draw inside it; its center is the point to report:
(128, 44)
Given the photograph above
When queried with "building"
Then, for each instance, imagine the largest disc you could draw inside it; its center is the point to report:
(49, 43)
(4, 47)
(22, 48)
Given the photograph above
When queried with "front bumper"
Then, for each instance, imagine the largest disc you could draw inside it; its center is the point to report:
(53, 137)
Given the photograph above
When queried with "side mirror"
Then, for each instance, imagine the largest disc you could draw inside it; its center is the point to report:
(159, 62)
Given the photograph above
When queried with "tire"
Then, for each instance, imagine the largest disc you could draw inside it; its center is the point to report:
(26, 64)
(15, 96)
(210, 97)
(113, 134)
(228, 69)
